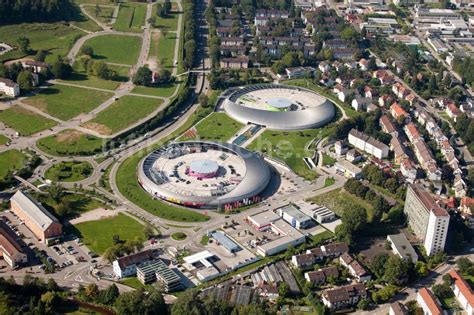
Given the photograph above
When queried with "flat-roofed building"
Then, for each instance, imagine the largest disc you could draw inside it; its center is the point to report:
(36, 218)
(322, 214)
(348, 169)
(427, 219)
(262, 220)
(225, 241)
(288, 235)
(401, 247)
(463, 292)
(158, 271)
(296, 218)
(428, 302)
(10, 249)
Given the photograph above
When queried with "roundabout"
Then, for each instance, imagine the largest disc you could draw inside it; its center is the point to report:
(278, 107)
(204, 175)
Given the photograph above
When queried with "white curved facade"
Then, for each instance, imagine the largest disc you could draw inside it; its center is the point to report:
(252, 104)
(254, 176)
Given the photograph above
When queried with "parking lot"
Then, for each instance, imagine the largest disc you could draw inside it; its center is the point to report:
(67, 252)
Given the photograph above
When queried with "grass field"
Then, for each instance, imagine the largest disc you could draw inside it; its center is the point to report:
(169, 23)
(129, 187)
(77, 204)
(131, 17)
(84, 22)
(82, 78)
(121, 224)
(11, 160)
(217, 127)
(66, 102)
(327, 160)
(121, 49)
(290, 147)
(162, 49)
(122, 113)
(71, 171)
(340, 200)
(55, 38)
(24, 121)
(179, 236)
(105, 14)
(164, 90)
(132, 282)
(4, 140)
(71, 142)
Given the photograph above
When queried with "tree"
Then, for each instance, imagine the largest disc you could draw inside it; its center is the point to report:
(377, 265)
(160, 11)
(56, 192)
(372, 64)
(109, 295)
(97, 10)
(61, 70)
(139, 302)
(143, 76)
(52, 285)
(91, 291)
(465, 266)
(167, 7)
(116, 239)
(396, 271)
(25, 80)
(363, 304)
(87, 50)
(442, 291)
(283, 289)
(24, 43)
(40, 55)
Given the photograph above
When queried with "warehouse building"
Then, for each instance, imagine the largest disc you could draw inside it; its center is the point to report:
(36, 218)
(296, 218)
(226, 242)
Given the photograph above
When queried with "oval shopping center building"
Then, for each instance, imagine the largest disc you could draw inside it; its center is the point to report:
(204, 175)
(278, 107)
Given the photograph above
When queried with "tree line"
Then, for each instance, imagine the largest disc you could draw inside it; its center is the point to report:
(35, 11)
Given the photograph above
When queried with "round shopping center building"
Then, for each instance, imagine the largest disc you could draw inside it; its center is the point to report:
(278, 107)
(204, 175)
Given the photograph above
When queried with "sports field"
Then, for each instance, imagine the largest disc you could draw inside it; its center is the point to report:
(24, 121)
(122, 113)
(10, 161)
(131, 17)
(121, 49)
(122, 225)
(71, 142)
(55, 38)
(66, 102)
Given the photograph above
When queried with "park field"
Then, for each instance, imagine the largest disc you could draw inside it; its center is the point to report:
(169, 22)
(55, 38)
(216, 127)
(66, 102)
(71, 142)
(123, 113)
(163, 90)
(10, 161)
(128, 186)
(69, 171)
(83, 22)
(131, 17)
(165, 50)
(4, 140)
(126, 227)
(24, 121)
(105, 13)
(120, 49)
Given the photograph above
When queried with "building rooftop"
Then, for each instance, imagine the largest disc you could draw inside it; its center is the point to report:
(8, 240)
(402, 246)
(161, 269)
(428, 201)
(134, 259)
(430, 301)
(34, 210)
(265, 217)
(463, 287)
(225, 241)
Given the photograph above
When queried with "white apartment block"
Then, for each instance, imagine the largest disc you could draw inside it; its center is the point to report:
(9, 88)
(368, 144)
(463, 292)
(428, 302)
(427, 219)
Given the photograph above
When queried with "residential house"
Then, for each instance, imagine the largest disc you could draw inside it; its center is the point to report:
(398, 112)
(408, 170)
(388, 126)
(400, 90)
(35, 66)
(354, 267)
(385, 100)
(353, 156)
(399, 150)
(453, 111)
(334, 250)
(241, 62)
(463, 292)
(9, 88)
(360, 103)
(428, 302)
(398, 308)
(345, 296)
(320, 276)
(368, 144)
(303, 261)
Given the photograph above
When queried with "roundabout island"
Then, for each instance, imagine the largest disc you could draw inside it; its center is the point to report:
(278, 107)
(202, 174)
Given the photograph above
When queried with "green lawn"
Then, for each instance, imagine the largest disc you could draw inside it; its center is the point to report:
(350, 112)
(329, 181)
(72, 171)
(11, 160)
(164, 90)
(131, 17)
(162, 48)
(105, 14)
(132, 282)
(216, 127)
(3, 139)
(55, 38)
(70, 143)
(327, 160)
(24, 121)
(121, 49)
(121, 224)
(83, 22)
(129, 187)
(339, 201)
(169, 23)
(66, 102)
(179, 236)
(204, 240)
(290, 147)
(78, 204)
(123, 113)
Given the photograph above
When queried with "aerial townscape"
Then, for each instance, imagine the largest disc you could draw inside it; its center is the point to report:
(237, 157)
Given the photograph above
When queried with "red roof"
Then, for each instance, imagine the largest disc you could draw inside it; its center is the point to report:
(430, 301)
(466, 201)
(397, 110)
(463, 287)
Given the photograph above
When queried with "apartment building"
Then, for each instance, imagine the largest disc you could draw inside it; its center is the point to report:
(427, 219)
(345, 296)
(463, 292)
(368, 144)
(10, 248)
(428, 302)
(9, 88)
